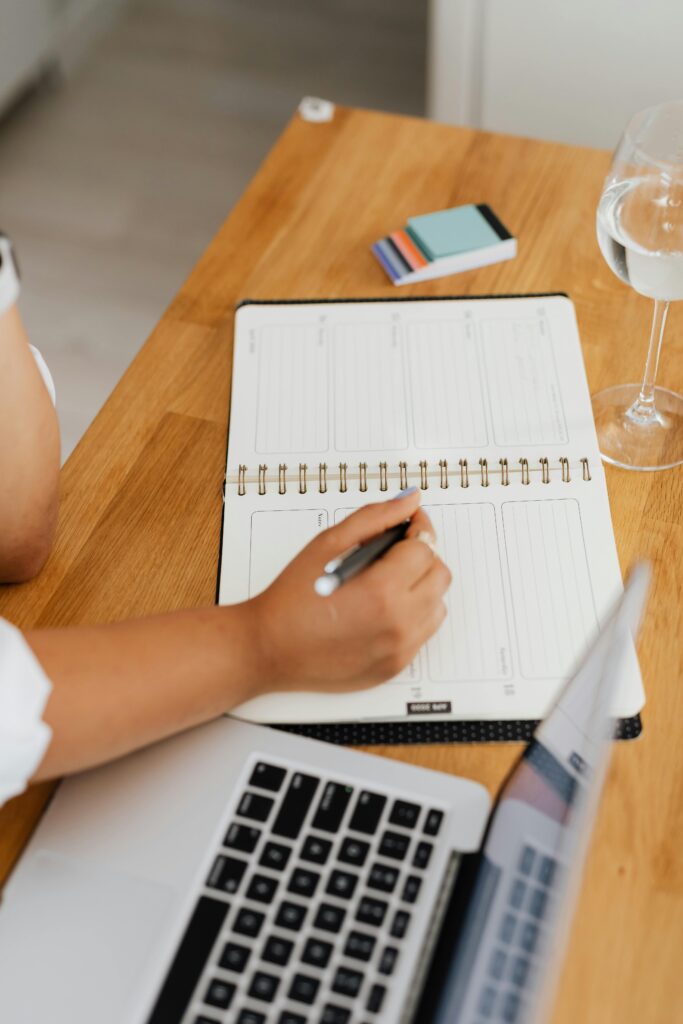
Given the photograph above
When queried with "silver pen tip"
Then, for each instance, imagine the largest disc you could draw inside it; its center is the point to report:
(326, 585)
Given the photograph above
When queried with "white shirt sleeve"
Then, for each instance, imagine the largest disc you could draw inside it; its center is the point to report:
(44, 373)
(24, 690)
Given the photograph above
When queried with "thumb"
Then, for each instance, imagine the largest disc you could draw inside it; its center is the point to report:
(370, 520)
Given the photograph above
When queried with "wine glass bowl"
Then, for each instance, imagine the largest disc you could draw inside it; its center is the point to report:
(640, 233)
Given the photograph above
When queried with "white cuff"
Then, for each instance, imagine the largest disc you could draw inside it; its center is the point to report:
(44, 373)
(24, 690)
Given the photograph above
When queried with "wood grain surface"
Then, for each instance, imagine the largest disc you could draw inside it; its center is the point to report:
(141, 495)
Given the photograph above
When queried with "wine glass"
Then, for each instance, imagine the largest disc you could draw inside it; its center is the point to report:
(640, 233)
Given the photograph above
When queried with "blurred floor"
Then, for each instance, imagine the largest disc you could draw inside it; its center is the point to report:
(112, 183)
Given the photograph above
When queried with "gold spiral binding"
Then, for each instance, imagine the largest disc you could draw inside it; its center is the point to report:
(545, 471)
(282, 478)
(443, 471)
(424, 479)
(322, 477)
(464, 473)
(241, 481)
(403, 475)
(586, 469)
(342, 477)
(262, 470)
(504, 472)
(524, 463)
(383, 483)
(564, 463)
(303, 485)
(483, 463)
(363, 475)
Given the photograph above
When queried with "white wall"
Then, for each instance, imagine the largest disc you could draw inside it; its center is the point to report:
(570, 70)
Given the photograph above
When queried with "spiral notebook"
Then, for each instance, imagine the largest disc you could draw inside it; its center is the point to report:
(483, 404)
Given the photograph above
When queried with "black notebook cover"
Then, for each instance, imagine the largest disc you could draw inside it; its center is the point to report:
(447, 731)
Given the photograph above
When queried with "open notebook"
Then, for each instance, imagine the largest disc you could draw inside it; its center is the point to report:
(484, 404)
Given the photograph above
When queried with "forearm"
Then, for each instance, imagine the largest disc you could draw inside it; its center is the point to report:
(119, 687)
(29, 456)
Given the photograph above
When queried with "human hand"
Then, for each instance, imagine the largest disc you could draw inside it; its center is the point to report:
(370, 628)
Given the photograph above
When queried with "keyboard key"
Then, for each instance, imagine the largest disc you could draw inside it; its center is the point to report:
(359, 946)
(304, 989)
(342, 884)
(497, 964)
(546, 870)
(353, 851)
(262, 888)
(486, 1001)
(329, 918)
(519, 971)
(526, 860)
(371, 911)
(248, 922)
(294, 806)
(538, 901)
(290, 915)
(226, 873)
(316, 850)
(404, 813)
(517, 890)
(400, 924)
(388, 960)
(376, 998)
(511, 1007)
(347, 982)
(304, 882)
(433, 823)
(333, 804)
(317, 953)
(254, 806)
(382, 878)
(194, 950)
(528, 937)
(507, 928)
(267, 776)
(287, 1017)
(251, 1017)
(411, 888)
(219, 993)
(264, 987)
(275, 856)
(394, 844)
(423, 855)
(335, 1015)
(277, 951)
(234, 957)
(242, 837)
(204, 1020)
(367, 812)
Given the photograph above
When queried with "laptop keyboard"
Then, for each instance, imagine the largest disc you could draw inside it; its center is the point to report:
(513, 960)
(305, 907)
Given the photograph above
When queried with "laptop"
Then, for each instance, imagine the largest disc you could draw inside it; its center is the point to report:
(240, 874)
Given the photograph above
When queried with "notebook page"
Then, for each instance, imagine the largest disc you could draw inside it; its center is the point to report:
(533, 555)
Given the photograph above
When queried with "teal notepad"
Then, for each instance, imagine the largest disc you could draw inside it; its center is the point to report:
(448, 232)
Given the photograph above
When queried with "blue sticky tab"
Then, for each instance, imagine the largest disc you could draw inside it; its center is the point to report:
(448, 232)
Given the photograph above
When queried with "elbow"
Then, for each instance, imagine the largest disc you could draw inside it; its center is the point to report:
(26, 561)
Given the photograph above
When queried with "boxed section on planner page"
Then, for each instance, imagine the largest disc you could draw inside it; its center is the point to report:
(434, 394)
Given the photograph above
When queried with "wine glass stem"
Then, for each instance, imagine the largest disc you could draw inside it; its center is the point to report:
(643, 409)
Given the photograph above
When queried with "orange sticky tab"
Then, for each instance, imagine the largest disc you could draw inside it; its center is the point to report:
(408, 249)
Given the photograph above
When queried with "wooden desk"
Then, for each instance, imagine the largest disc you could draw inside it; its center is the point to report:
(141, 495)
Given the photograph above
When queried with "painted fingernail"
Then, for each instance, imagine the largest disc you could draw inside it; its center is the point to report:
(405, 493)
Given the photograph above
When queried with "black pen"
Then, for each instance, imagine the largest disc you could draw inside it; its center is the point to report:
(346, 566)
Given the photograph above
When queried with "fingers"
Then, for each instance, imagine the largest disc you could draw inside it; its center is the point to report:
(421, 529)
(368, 521)
(430, 589)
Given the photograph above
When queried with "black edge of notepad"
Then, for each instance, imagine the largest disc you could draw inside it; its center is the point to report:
(389, 733)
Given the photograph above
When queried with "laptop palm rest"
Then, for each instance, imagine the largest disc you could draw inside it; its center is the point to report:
(65, 899)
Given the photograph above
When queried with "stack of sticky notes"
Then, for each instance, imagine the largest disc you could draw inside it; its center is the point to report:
(445, 242)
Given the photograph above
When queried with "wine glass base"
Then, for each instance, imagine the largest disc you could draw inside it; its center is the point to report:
(634, 441)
